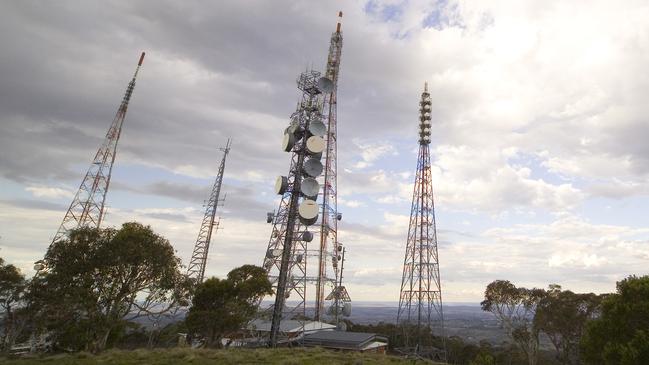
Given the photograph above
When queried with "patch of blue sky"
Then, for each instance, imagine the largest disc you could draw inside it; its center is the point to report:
(537, 170)
(385, 12)
(138, 175)
(127, 200)
(13, 190)
(443, 15)
(630, 212)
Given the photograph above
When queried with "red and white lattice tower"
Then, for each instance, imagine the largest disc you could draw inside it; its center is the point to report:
(330, 250)
(420, 301)
(87, 208)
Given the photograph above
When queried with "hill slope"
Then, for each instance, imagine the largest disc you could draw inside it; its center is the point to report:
(201, 356)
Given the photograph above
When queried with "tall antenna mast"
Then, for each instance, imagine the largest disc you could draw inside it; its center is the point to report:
(329, 245)
(420, 301)
(196, 268)
(87, 207)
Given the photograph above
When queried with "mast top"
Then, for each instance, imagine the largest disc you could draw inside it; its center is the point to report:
(340, 18)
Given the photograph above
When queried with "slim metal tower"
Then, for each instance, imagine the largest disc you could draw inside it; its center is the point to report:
(420, 301)
(310, 135)
(329, 245)
(196, 268)
(87, 208)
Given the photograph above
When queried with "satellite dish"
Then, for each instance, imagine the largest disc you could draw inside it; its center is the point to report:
(342, 327)
(312, 167)
(317, 128)
(325, 85)
(299, 258)
(314, 145)
(273, 253)
(347, 309)
(307, 236)
(340, 247)
(339, 216)
(308, 211)
(426, 106)
(330, 310)
(310, 188)
(294, 127)
(281, 184)
(288, 142)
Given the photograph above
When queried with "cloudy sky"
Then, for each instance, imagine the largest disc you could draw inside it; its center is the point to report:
(540, 129)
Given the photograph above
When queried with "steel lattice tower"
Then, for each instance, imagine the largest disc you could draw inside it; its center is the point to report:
(420, 301)
(287, 253)
(196, 268)
(87, 208)
(329, 245)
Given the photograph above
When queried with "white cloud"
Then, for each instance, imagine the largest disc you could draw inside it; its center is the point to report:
(40, 191)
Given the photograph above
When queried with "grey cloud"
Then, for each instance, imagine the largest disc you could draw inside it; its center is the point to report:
(35, 204)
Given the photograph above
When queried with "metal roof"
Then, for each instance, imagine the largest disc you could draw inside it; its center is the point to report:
(339, 339)
(290, 325)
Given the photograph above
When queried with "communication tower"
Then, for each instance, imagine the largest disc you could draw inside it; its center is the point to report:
(196, 268)
(310, 136)
(420, 302)
(87, 208)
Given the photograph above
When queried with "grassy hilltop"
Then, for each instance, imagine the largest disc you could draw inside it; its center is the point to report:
(297, 356)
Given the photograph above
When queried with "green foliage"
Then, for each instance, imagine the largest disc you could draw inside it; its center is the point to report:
(621, 334)
(96, 279)
(563, 315)
(12, 290)
(222, 306)
(483, 359)
(514, 308)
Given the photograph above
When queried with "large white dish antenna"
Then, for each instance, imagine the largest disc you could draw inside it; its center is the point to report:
(314, 145)
(312, 167)
(310, 188)
(281, 184)
(317, 128)
(288, 142)
(308, 212)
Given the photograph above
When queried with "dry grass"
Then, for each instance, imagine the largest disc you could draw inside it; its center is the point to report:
(297, 356)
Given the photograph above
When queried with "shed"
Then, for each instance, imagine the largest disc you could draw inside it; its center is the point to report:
(348, 341)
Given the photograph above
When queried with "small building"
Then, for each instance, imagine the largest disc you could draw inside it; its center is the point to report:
(347, 341)
(257, 332)
(291, 328)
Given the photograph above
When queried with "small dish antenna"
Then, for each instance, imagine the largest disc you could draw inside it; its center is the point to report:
(317, 128)
(325, 85)
(347, 309)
